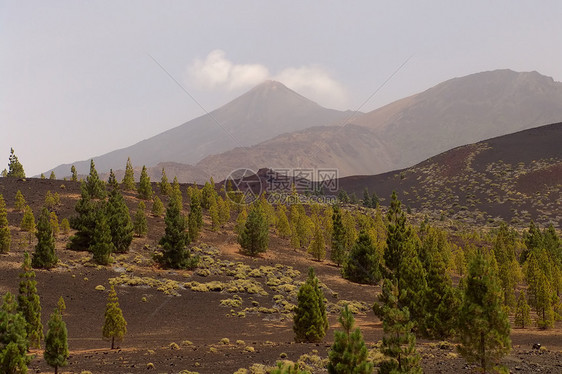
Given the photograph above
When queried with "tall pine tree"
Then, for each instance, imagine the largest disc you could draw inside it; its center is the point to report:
(522, 312)
(114, 325)
(140, 225)
(13, 338)
(175, 240)
(362, 264)
(399, 342)
(73, 174)
(119, 221)
(310, 322)
(5, 238)
(145, 188)
(165, 187)
(101, 245)
(44, 256)
(254, 238)
(129, 177)
(56, 342)
(483, 324)
(94, 185)
(85, 222)
(29, 304)
(15, 168)
(337, 255)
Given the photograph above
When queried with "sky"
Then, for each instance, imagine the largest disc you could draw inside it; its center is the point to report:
(82, 78)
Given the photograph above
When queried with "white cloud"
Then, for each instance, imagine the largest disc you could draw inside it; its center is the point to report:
(216, 72)
(315, 83)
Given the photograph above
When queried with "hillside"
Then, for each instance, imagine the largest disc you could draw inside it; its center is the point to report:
(264, 112)
(515, 177)
(232, 312)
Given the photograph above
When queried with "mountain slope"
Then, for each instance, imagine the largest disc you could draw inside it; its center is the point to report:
(463, 111)
(459, 111)
(352, 149)
(267, 110)
(517, 177)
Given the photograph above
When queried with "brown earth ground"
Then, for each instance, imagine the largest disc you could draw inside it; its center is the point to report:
(195, 320)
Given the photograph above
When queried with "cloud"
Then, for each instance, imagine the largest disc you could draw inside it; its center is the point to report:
(316, 83)
(216, 72)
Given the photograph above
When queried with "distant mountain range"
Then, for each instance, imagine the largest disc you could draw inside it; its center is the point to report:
(273, 126)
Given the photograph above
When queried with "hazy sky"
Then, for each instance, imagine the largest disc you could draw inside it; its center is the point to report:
(81, 78)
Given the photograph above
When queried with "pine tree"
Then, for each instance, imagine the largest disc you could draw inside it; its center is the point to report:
(28, 223)
(101, 245)
(29, 304)
(114, 326)
(42, 176)
(165, 187)
(74, 174)
(195, 217)
(112, 180)
(85, 222)
(65, 226)
(283, 227)
(5, 238)
(349, 353)
(441, 301)
(28, 220)
(145, 188)
(61, 305)
(224, 210)
(367, 198)
(4, 173)
(483, 324)
(119, 221)
(214, 214)
(241, 222)
(207, 193)
(398, 343)
(19, 202)
(254, 238)
(176, 192)
(157, 207)
(129, 177)
(94, 185)
(362, 264)
(13, 338)
(56, 342)
(176, 239)
(522, 312)
(337, 255)
(398, 237)
(310, 322)
(49, 201)
(412, 286)
(140, 225)
(44, 256)
(54, 223)
(317, 247)
(52, 176)
(15, 168)
(544, 296)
